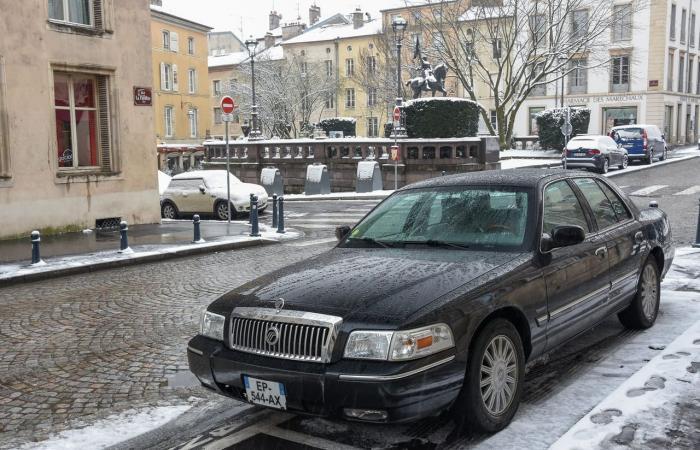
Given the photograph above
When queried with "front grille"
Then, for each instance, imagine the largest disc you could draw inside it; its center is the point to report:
(296, 335)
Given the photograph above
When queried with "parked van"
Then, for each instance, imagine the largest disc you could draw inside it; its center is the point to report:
(642, 142)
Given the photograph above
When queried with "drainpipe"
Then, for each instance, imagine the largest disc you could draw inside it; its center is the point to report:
(687, 62)
(336, 44)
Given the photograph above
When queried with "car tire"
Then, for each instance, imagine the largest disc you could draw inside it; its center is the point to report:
(606, 166)
(650, 157)
(625, 162)
(644, 309)
(221, 211)
(168, 210)
(475, 408)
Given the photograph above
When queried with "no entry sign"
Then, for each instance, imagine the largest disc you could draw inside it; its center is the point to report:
(227, 105)
(397, 114)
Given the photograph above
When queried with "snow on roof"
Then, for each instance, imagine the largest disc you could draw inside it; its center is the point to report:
(228, 60)
(334, 19)
(274, 53)
(331, 32)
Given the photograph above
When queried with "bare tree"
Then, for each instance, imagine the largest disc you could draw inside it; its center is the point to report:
(511, 48)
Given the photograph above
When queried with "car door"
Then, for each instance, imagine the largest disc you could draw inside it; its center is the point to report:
(615, 152)
(624, 240)
(189, 194)
(576, 277)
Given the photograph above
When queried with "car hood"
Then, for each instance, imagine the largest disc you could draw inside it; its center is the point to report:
(367, 285)
(242, 190)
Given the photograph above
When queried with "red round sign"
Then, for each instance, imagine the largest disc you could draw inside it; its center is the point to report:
(397, 114)
(227, 105)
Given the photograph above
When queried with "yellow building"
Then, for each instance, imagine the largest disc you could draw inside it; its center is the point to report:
(181, 98)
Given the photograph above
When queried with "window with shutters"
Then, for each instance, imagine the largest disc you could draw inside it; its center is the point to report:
(192, 81)
(166, 39)
(81, 108)
(73, 12)
(620, 73)
(169, 121)
(166, 77)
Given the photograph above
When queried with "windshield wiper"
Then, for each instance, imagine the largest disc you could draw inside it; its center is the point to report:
(436, 243)
(370, 240)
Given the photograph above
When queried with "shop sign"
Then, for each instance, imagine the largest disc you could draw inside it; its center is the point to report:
(142, 96)
(606, 99)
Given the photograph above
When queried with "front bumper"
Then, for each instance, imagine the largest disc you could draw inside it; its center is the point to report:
(405, 391)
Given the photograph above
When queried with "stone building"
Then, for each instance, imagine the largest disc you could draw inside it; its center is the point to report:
(76, 147)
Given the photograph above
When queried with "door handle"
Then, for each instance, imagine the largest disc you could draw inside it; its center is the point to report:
(602, 251)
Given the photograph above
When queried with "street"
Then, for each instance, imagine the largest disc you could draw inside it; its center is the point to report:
(81, 348)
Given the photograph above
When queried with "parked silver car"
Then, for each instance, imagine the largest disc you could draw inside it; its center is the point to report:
(204, 192)
(595, 152)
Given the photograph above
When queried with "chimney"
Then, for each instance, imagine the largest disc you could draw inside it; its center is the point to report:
(269, 40)
(275, 19)
(314, 14)
(357, 18)
(290, 30)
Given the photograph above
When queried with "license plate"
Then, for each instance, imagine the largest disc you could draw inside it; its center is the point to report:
(265, 393)
(579, 155)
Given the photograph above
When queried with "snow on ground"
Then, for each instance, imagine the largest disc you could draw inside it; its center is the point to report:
(644, 410)
(341, 195)
(518, 163)
(112, 430)
(8, 271)
(506, 154)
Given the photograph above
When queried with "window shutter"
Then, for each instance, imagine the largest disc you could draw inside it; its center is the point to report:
(97, 10)
(163, 81)
(175, 84)
(103, 119)
(174, 41)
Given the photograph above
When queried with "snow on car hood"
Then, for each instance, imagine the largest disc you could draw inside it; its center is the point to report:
(241, 191)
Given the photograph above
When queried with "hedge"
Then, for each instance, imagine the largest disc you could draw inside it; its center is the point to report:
(345, 124)
(441, 117)
(549, 123)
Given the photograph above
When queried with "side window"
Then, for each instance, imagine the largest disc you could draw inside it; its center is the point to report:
(600, 204)
(618, 205)
(562, 208)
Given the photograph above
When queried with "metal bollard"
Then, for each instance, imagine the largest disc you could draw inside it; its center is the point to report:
(250, 216)
(36, 255)
(443, 173)
(197, 233)
(274, 210)
(255, 231)
(697, 232)
(280, 215)
(124, 239)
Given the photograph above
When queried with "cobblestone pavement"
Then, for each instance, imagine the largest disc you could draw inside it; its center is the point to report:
(83, 347)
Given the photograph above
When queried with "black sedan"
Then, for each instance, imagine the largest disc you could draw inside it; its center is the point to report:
(438, 298)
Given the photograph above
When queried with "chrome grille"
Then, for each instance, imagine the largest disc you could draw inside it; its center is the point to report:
(301, 336)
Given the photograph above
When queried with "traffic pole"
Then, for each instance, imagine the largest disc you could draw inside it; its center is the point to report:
(228, 177)
(697, 232)
(280, 213)
(274, 210)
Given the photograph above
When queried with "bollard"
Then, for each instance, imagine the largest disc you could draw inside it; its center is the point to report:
(124, 240)
(280, 215)
(197, 232)
(250, 216)
(255, 231)
(697, 233)
(443, 173)
(274, 210)
(36, 239)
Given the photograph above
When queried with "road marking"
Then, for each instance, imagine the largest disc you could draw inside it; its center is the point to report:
(648, 190)
(314, 242)
(345, 219)
(689, 191)
(313, 226)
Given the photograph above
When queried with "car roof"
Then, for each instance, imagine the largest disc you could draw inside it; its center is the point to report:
(509, 177)
(582, 137)
(198, 174)
(639, 125)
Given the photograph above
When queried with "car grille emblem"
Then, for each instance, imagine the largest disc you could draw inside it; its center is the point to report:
(272, 335)
(279, 304)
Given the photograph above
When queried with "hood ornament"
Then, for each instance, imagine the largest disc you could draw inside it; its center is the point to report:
(279, 304)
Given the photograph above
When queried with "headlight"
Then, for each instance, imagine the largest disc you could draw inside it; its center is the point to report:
(399, 345)
(212, 326)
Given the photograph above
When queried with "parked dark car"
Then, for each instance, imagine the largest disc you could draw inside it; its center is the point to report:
(438, 298)
(642, 142)
(594, 152)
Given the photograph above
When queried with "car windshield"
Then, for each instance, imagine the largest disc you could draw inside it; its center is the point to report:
(455, 217)
(218, 179)
(629, 133)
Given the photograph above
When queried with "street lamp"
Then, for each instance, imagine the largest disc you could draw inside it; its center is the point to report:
(255, 133)
(398, 24)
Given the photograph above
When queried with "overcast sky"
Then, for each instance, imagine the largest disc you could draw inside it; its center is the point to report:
(252, 15)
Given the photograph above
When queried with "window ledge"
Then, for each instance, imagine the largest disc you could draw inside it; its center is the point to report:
(85, 176)
(76, 28)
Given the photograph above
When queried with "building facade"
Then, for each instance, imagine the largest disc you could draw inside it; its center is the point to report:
(76, 145)
(181, 98)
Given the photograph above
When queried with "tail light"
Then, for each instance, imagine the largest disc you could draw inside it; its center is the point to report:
(593, 151)
(645, 138)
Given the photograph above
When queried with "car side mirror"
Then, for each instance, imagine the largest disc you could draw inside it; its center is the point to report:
(564, 236)
(202, 189)
(341, 232)
(663, 136)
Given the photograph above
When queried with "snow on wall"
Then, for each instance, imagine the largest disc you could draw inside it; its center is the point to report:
(314, 173)
(365, 169)
(267, 176)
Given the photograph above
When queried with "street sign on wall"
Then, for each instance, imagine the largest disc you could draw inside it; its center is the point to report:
(227, 105)
(143, 96)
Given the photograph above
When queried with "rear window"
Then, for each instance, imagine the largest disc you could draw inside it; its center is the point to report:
(630, 133)
(582, 143)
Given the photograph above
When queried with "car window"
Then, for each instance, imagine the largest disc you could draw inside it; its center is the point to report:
(629, 133)
(618, 205)
(600, 204)
(610, 142)
(188, 184)
(562, 208)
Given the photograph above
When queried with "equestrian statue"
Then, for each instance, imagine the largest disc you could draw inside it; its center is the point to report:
(430, 80)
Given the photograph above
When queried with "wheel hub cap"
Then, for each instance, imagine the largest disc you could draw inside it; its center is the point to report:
(649, 292)
(499, 375)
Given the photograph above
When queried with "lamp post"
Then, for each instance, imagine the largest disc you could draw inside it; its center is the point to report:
(398, 24)
(255, 133)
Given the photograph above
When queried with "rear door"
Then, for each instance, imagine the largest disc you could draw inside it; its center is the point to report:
(577, 276)
(631, 139)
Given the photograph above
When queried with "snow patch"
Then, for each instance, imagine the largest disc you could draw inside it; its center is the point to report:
(314, 173)
(163, 181)
(365, 170)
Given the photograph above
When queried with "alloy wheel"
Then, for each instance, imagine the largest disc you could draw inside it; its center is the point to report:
(625, 161)
(222, 211)
(650, 292)
(168, 211)
(499, 375)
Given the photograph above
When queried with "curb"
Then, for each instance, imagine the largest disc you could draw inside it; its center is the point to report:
(651, 166)
(103, 265)
(336, 197)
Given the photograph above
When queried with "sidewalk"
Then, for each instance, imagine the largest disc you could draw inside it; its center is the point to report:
(91, 250)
